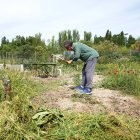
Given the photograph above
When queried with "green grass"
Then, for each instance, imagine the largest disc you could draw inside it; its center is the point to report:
(19, 119)
(88, 126)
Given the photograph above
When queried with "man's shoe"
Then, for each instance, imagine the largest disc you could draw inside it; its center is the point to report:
(81, 88)
(87, 91)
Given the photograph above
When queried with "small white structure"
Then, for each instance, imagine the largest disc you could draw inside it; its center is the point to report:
(59, 70)
(18, 67)
(56, 57)
(1, 66)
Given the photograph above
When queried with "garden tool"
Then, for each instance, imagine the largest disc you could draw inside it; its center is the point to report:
(69, 61)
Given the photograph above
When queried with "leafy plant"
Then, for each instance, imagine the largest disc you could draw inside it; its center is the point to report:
(124, 79)
(44, 117)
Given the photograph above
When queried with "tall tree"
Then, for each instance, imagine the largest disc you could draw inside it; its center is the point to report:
(75, 36)
(121, 39)
(87, 36)
(64, 37)
(37, 41)
(131, 40)
(69, 35)
(60, 40)
(4, 40)
(108, 35)
(115, 39)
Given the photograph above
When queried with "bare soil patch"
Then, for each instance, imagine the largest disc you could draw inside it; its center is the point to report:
(101, 101)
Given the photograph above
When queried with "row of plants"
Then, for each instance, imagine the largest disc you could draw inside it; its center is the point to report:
(121, 75)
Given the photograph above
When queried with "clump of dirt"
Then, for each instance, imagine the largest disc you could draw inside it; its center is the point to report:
(101, 100)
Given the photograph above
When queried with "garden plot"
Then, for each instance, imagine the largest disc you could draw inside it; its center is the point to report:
(101, 101)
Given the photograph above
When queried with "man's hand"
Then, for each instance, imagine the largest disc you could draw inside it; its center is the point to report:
(69, 61)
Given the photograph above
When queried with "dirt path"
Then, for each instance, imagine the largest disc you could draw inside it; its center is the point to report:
(101, 101)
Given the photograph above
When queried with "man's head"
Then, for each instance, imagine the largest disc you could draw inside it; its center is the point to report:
(68, 45)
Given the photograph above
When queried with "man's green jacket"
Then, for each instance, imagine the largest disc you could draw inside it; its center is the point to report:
(83, 52)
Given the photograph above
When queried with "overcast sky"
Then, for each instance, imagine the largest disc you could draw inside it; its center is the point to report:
(49, 17)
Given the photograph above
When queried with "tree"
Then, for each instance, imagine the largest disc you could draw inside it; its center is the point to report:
(75, 36)
(4, 41)
(87, 36)
(40, 54)
(5, 48)
(131, 40)
(69, 35)
(29, 40)
(108, 35)
(115, 39)
(37, 41)
(23, 41)
(60, 40)
(99, 39)
(121, 39)
(26, 51)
